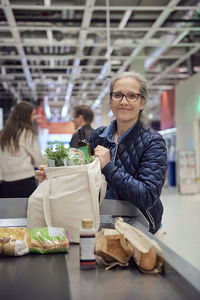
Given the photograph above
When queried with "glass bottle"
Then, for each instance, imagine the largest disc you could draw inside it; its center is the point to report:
(87, 245)
(83, 144)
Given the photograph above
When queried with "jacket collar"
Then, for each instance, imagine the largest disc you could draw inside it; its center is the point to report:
(109, 132)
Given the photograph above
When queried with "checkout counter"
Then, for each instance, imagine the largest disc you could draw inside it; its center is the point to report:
(58, 276)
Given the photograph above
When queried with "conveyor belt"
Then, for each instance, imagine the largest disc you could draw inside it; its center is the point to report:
(48, 277)
(58, 276)
(126, 284)
(34, 277)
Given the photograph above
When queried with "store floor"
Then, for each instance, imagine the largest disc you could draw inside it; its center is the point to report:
(181, 221)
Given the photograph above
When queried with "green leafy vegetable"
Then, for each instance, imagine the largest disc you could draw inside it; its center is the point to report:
(57, 152)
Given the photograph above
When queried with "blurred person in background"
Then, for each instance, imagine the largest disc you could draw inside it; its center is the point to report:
(19, 152)
(82, 119)
(133, 157)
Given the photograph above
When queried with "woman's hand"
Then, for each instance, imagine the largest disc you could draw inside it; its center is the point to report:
(39, 174)
(103, 154)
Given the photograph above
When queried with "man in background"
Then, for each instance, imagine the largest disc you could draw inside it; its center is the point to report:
(82, 119)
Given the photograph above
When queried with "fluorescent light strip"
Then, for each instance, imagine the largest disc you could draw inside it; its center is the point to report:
(168, 131)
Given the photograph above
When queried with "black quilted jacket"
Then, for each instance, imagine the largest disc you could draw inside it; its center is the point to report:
(139, 169)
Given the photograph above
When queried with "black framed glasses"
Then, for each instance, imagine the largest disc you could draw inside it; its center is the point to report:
(130, 96)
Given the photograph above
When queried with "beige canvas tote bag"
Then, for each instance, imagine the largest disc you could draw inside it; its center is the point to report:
(68, 195)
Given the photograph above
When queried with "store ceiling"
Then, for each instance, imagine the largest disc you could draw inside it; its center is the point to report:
(65, 52)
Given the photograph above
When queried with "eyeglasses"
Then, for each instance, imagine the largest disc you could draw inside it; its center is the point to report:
(130, 97)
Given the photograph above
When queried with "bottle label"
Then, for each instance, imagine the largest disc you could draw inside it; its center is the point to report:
(85, 151)
(87, 246)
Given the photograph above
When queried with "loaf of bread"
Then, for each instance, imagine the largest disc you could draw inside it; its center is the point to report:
(146, 251)
(112, 246)
(148, 260)
(13, 241)
(48, 240)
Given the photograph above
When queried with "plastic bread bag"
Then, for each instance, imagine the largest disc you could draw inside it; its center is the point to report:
(146, 252)
(112, 249)
(48, 240)
(13, 241)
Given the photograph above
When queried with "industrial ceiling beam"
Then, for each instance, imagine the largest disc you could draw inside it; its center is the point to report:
(174, 65)
(100, 29)
(15, 33)
(52, 38)
(79, 52)
(100, 8)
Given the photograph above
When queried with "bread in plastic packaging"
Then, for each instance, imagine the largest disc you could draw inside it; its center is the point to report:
(13, 241)
(48, 240)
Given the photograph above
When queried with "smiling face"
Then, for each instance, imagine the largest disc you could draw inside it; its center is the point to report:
(125, 111)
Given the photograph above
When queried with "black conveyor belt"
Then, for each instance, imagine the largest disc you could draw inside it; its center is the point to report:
(58, 276)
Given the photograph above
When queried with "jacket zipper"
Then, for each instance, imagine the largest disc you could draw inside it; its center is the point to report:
(114, 164)
(151, 218)
(115, 154)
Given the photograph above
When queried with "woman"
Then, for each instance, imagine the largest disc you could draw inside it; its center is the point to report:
(19, 152)
(133, 157)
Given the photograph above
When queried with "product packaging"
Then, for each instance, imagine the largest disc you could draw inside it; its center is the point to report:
(48, 240)
(87, 245)
(13, 241)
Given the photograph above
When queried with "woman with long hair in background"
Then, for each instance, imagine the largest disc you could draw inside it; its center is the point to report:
(19, 152)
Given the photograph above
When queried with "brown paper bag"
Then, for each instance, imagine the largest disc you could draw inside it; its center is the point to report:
(146, 252)
(112, 249)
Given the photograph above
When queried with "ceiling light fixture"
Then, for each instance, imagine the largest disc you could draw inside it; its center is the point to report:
(50, 36)
(150, 116)
(98, 100)
(64, 110)
(47, 3)
(47, 109)
(168, 131)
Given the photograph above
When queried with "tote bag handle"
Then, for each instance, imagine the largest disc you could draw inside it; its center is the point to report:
(102, 189)
(46, 204)
(94, 196)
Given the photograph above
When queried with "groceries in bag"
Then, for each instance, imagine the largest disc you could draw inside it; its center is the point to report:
(58, 155)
